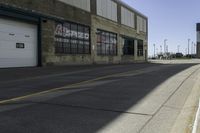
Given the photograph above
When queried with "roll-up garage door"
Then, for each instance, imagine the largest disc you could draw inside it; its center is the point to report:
(18, 44)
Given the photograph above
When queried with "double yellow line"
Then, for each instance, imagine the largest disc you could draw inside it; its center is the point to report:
(65, 87)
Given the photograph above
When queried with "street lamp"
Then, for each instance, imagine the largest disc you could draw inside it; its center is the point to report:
(192, 47)
(186, 51)
(178, 48)
(165, 45)
(154, 45)
(160, 49)
(166, 49)
(157, 51)
(188, 47)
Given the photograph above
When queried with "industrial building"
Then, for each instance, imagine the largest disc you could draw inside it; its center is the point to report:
(62, 32)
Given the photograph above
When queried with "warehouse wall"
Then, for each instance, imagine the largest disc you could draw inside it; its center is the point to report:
(53, 8)
(104, 15)
(110, 26)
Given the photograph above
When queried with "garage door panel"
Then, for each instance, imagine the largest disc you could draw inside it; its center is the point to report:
(6, 45)
(11, 33)
(17, 54)
(9, 45)
(29, 37)
(4, 36)
(9, 50)
(10, 62)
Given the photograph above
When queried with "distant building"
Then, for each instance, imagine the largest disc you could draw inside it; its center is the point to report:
(61, 32)
(198, 40)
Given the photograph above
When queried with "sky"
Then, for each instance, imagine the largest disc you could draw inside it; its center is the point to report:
(174, 20)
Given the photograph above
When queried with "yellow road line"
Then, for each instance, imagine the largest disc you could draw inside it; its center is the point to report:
(64, 87)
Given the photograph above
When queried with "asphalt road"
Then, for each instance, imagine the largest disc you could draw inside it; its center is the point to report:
(87, 99)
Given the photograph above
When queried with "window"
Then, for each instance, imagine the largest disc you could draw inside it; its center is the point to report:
(128, 48)
(140, 48)
(127, 17)
(107, 9)
(141, 24)
(72, 38)
(106, 43)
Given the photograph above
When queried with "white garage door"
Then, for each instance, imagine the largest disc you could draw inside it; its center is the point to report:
(18, 44)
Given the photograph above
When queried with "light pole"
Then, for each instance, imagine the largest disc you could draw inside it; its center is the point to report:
(188, 47)
(165, 45)
(192, 48)
(160, 49)
(157, 51)
(154, 45)
(166, 49)
(178, 48)
(186, 52)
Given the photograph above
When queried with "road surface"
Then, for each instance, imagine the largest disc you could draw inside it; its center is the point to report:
(130, 98)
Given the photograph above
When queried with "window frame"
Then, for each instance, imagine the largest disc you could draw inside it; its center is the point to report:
(105, 46)
(130, 47)
(140, 48)
(68, 34)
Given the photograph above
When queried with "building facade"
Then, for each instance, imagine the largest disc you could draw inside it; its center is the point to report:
(61, 32)
(198, 40)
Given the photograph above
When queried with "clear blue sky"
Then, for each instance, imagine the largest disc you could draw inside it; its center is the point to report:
(174, 20)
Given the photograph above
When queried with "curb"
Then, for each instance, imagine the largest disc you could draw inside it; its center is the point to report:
(185, 120)
(196, 122)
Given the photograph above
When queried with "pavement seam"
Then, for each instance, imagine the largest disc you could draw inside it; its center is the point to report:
(169, 98)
